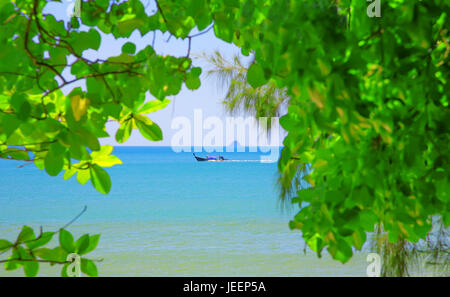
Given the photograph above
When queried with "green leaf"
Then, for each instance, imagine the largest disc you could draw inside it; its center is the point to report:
(124, 131)
(100, 179)
(64, 270)
(19, 155)
(40, 241)
(196, 71)
(54, 161)
(192, 78)
(89, 139)
(88, 267)
(21, 105)
(5, 245)
(79, 69)
(341, 251)
(192, 82)
(129, 48)
(31, 268)
(368, 220)
(359, 237)
(153, 106)
(13, 265)
(83, 176)
(104, 151)
(26, 234)
(74, 23)
(79, 105)
(57, 254)
(93, 242)
(82, 244)
(106, 161)
(69, 173)
(255, 76)
(103, 158)
(315, 242)
(66, 241)
(53, 26)
(85, 40)
(148, 129)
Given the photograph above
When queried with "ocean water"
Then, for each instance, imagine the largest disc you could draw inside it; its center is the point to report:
(169, 215)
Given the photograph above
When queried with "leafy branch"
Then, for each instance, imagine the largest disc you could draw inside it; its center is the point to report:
(28, 250)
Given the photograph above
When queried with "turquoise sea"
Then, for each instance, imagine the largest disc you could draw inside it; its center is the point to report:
(169, 215)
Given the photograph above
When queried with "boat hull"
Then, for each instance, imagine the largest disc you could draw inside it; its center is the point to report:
(200, 159)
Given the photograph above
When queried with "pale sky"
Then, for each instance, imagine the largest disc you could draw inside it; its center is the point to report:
(208, 97)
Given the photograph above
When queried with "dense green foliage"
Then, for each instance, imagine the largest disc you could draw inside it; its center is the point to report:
(400, 258)
(368, 111)
(368, 99)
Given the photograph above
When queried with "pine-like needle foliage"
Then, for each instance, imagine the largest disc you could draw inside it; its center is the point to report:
(241, 98)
